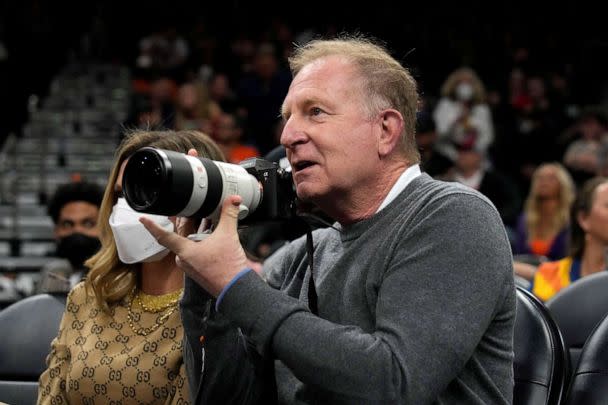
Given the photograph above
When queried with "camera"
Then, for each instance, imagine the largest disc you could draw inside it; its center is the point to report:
(164, 182)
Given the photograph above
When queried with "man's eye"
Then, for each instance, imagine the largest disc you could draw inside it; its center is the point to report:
(315, 111)
(89, 223)
(66, 224)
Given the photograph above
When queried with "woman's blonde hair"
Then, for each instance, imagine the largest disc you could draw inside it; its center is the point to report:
(567, 192)
(109, 279)
(448, 89)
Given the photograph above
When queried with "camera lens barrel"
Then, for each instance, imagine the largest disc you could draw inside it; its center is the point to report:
(158, 181)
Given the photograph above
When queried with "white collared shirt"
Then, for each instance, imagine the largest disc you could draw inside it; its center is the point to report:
(406, 177)
(473, 181)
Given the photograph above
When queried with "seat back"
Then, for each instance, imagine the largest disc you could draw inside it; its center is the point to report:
(18, 392)
(590, 380)
(577, 310)
(28, 327)
(541, 364)
(522, 282)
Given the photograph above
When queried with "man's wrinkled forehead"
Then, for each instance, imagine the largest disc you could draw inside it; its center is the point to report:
(325, 76)
(326, 65)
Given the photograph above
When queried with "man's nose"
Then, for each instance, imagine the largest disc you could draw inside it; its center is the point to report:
(293, 134)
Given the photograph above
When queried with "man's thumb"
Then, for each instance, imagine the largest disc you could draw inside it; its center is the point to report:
(230, 213)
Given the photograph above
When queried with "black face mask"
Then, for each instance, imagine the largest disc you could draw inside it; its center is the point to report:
(77, 248)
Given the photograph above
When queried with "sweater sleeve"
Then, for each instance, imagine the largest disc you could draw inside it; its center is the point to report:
(52, 382)
(456, 267)
(219, 365)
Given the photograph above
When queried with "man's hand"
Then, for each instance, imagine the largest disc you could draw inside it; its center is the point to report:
(213, 262)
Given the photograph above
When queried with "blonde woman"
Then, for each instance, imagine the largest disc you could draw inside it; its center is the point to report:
(588, 242)
(542, 228)
(120, 339)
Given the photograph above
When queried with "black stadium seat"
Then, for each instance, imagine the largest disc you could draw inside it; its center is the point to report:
(28, 327)
(541, 365)
(590, 380)
(578, 308)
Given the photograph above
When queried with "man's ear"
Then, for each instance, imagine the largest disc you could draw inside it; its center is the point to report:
(391, 125)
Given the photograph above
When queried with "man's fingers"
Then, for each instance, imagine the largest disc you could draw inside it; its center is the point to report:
(230, 214)
(170, 240)
(185, 226)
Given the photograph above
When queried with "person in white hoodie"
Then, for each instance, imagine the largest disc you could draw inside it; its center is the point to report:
(462, 115)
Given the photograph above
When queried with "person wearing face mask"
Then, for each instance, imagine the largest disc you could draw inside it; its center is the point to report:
(120, 339)
(462, 116)
(74, 208)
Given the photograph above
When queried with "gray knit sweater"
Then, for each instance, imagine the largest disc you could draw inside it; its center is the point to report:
(416, 305)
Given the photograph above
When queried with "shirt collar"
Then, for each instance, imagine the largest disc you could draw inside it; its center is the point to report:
(406, 177)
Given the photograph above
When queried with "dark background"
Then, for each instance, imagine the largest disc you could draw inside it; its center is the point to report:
(431, 39)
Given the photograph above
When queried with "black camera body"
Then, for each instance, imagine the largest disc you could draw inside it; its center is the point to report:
(279, 200)
(163, 182)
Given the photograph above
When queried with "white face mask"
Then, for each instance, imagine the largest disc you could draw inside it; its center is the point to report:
(133, 241)
(464, 91)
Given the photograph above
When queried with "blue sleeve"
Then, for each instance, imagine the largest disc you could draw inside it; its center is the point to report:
(230, 284)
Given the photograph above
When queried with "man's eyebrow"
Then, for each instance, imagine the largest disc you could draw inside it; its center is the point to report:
(304, 104)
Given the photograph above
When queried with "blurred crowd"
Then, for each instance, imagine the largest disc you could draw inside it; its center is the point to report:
(491, 134)
(503, 109)
(509, 120)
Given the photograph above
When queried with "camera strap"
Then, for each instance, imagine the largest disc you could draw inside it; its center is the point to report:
(312, 291)
(310, 219)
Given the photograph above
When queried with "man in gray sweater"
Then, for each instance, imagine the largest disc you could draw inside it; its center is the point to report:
(411, 299)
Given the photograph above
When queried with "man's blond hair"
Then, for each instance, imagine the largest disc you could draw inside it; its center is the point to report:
(385, 82)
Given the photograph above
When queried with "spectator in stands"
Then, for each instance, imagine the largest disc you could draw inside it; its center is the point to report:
(163, 50)
(194, 109)
(120, 339)
(74, 208)
(588, 242)
(228, 133)
(471, 170)
(583, 155)
(433, 162)
(542, 229)
(386, 313)
(602, 170)
(518, 96)
(462, 114)
(221, 92)
(152, 104)
(261, 91)
(538, 125)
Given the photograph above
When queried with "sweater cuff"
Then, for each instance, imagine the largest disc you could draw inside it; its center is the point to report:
(194, 295)
(230, 284)
(258, 309)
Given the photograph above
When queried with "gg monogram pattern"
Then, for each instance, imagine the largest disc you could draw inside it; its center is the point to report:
(98, 359)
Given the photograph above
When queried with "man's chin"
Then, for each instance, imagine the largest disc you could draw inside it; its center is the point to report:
(303, 196)
(305, 193)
